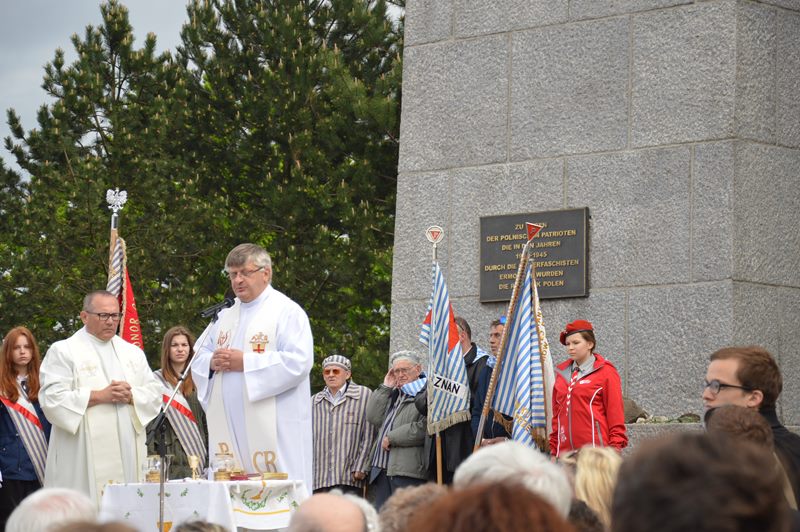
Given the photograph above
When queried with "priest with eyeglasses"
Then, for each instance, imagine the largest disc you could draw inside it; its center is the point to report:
(252, 373)
(99, 393)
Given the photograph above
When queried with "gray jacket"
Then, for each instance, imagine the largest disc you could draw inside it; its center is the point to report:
(406, 437)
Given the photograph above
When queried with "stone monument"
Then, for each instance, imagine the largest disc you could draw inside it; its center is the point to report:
(677, 123)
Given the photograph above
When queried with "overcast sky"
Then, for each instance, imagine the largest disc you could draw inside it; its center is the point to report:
(31, 30)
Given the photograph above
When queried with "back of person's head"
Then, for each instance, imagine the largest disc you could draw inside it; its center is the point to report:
(757, 370)
(462, 323)
(91, 526)
(49, 508)
(690, 481)
(405, 502)
(740, 423)
(596, 470)
(197, 525)
(512, 461)
(496, 507)
(584, 519)
(334, 512)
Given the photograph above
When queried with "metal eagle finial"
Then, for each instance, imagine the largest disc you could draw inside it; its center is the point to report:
(116, 199)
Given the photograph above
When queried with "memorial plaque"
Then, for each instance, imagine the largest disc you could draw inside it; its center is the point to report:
(559, 253)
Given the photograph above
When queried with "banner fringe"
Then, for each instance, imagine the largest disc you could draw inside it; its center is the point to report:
(449, 421)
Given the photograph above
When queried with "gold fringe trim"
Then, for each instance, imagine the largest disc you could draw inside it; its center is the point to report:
(449, 421)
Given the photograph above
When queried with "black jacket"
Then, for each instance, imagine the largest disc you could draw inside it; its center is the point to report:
(457, 441)
(787, 447)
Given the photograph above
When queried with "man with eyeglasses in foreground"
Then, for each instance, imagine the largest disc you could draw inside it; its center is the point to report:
(252, 373)
(342, 436)
(748, 376)
(99, 393)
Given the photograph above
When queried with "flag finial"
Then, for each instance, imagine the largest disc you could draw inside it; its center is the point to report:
(116, 199)
(434, 234)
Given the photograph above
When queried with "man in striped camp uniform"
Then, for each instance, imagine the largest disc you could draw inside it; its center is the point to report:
(342, 437)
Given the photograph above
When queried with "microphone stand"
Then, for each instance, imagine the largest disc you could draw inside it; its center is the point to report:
(161, 422)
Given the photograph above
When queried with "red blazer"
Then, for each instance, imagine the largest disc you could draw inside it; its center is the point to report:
(596, 414)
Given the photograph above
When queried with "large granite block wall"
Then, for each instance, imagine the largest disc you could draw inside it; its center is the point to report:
(676, 122)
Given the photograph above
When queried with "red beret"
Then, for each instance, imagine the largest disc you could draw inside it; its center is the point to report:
(575, 326)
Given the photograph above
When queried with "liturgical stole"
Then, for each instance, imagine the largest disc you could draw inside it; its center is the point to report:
(261, 427)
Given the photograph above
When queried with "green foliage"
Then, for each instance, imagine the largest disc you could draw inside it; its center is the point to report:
(275, 122)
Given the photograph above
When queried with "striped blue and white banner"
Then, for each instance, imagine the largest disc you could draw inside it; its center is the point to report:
(116, 269)
(448, 389)
(522, 390)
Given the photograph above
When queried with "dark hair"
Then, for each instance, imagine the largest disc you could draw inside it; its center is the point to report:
(8, 373)
(461, 322)
(583, 518)
(198, 526)
(405, 502)
(589, 337)
(500, 506)
(691, 481)
(757, 370)
(88, 299)
(740, 423)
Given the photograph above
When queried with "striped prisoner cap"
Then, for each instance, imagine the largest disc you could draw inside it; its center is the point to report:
(336, 360)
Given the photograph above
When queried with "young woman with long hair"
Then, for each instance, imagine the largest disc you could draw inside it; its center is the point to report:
(24, 431)
(186, 431)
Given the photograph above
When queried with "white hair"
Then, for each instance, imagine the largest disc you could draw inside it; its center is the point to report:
(411, 356)
(50, 508)
(371, 521)
(316, 516)
(512, 461)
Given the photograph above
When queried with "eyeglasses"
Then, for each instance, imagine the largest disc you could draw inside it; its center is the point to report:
(244, 273)
(331, 371)
(714, 386)
(403, 371)
(105, 316)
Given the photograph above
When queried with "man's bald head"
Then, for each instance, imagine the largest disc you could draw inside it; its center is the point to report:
(328, 512)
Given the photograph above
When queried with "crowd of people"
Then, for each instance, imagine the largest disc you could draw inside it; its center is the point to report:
(88, 413)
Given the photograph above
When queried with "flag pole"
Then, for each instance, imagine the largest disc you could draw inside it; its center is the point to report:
(544, 351)
(533, 229)
(434, 234)
(115, 199)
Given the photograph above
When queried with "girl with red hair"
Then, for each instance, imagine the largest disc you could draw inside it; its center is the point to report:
(24, 431)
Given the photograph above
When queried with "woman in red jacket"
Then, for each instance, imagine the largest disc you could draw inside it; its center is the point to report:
(587, 396)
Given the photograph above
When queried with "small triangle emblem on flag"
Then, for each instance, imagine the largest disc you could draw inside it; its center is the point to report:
(434, 234)
(533, 229)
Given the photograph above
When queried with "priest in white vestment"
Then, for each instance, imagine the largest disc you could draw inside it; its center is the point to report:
(252, 373)
(99, 392)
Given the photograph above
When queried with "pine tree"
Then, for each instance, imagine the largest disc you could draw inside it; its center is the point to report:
(297, 111)
(276, 122)
(116, 121)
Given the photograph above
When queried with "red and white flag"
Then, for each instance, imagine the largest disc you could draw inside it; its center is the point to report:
(119, 284)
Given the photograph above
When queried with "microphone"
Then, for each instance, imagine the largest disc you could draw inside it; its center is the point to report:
(213, 310)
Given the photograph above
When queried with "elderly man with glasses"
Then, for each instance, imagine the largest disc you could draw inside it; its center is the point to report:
(99, 393)
(252, 373)
(342, 436)
(749, 376)
(398, 460)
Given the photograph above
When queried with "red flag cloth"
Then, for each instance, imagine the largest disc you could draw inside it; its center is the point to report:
(129, 328)
(452, 331)
(119, 284)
